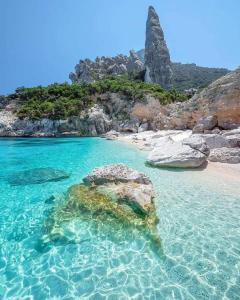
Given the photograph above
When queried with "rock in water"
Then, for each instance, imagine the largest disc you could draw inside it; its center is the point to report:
(123, 184)
(115, 198)
(37, 176)
(115, 174)
(157, 57)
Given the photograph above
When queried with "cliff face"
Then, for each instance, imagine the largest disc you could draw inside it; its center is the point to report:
(220, 100)
(110, 111)
(153, 63)
(216, 106)
(157, 57)
(89, 71)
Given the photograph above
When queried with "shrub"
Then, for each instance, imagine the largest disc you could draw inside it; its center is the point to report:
(58, 101)
(146, 112)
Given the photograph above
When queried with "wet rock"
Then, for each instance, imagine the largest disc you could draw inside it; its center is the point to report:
(124, 186)
(115, 174)
(37, 176)
(114, 198)
(225, 155)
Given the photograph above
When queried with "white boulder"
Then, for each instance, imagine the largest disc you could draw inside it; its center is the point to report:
(225, 155)
(169, 153)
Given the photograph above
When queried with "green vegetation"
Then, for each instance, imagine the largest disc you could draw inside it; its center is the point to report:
(187, 76)
(59, 101)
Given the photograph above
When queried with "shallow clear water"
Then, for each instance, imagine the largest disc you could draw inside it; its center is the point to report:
(199, 228)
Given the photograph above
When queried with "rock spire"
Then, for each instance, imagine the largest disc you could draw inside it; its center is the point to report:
(157, 57)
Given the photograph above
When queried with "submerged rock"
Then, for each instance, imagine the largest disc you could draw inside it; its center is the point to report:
(123, 184)
(37, 176)
(111, 197)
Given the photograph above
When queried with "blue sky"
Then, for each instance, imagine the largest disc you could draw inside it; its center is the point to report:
(42, 40)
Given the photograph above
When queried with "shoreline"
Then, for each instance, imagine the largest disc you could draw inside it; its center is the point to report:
(142, 142)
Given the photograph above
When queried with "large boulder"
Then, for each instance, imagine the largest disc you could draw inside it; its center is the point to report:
(231, 132)
(130, 125)
(205, 123)
(234, 140)
(157, 57)
(112, 199)
(215, 140)
(115, 174)
(122, 182)
(197, 143)
(225, 155)
(178, 154)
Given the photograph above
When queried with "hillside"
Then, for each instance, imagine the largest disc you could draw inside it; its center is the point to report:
(187, 76)
(60, 101)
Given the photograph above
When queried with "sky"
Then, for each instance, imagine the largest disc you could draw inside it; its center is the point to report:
(42, 40)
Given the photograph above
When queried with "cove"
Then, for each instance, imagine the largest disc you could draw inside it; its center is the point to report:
(198, 225)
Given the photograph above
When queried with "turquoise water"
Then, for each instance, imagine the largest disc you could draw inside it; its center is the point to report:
(199, 228)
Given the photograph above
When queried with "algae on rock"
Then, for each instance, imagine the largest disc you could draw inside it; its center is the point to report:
(105, 210)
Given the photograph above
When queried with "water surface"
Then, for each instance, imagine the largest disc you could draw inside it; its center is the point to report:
(199, 227)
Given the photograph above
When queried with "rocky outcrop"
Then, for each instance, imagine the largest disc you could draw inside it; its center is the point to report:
(198, 143)
(110, 110)
(178, 154)
(190, 77)
(220, 102)
(89, 71)
(215, 141)
(124, 185)
(114, 174)
(157, 57)
(225, 155)
(205, 123)
(112, 198)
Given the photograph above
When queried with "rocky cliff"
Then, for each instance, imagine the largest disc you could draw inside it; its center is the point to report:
(157, 57)
(89, 71)
(218, 105)
(152, 63)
